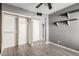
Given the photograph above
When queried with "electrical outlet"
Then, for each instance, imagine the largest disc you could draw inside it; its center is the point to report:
(59, 41)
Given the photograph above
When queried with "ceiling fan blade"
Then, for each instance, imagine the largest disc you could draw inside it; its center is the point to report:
(39, 5)
(49, 5)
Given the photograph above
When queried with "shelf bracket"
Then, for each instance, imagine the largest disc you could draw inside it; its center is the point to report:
(68, 23)
(57, 24)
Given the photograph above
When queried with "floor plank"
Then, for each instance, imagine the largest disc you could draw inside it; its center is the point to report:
(38, 50)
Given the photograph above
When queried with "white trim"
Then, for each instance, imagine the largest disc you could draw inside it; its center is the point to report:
(16, 14)
(47, 28)
(64, 47)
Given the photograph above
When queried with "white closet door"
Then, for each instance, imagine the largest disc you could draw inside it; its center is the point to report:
(8, 30)
(36, 30)
(22, 30)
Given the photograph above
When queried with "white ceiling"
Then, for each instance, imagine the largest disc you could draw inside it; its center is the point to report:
(43, 9)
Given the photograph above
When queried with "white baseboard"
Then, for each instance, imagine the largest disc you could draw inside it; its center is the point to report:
(63, 47)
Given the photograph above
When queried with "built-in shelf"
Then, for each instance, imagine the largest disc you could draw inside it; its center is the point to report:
(64, 21)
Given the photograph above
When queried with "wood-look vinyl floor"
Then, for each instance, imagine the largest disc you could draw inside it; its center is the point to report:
(38, 50)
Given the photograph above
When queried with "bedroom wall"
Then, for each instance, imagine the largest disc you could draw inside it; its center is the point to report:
(65, 35)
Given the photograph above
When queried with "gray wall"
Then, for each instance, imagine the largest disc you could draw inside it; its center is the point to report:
(65, 35)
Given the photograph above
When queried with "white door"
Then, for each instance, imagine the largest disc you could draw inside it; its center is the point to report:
(8, 30)
(36, 30)
(22, 30)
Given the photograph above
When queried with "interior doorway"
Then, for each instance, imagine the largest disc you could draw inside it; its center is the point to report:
(36, 30)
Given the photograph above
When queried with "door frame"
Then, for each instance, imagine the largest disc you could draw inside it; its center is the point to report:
(0, 26)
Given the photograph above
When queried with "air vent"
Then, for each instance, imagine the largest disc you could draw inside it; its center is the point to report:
(39, 14)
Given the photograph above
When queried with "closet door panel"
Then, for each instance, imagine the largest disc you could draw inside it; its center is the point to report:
(36, 30)
(22, 30)
(8, 30)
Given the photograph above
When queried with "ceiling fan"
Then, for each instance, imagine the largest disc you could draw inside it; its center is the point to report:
(48, 4)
